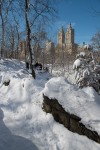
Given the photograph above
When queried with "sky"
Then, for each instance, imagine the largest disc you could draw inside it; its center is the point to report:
(81, 14)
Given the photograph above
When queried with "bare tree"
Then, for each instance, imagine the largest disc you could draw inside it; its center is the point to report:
(4, 10)
(17, 34)
(28, 32)
(96, 41)
(35, 11)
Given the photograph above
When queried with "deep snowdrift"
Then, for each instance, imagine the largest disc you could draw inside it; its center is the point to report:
(22, 114)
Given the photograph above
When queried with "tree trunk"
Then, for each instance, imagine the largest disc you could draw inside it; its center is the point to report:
(2, 37)
(28, 31)
(17, 52)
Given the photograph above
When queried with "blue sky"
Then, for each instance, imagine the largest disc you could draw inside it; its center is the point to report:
(81, 15)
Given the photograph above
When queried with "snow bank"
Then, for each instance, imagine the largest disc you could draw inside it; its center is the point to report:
(84, 103)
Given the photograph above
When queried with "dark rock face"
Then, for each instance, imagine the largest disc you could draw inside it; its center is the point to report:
(70, 121)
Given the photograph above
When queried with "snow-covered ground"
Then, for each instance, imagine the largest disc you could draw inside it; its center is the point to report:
(23, 123)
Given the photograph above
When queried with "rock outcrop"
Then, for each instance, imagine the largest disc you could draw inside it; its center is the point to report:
(70, 121)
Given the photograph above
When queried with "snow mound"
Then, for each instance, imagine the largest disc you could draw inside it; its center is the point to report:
(84, 103)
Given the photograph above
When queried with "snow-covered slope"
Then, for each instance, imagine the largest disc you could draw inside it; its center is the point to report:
(84, 103)
(23, 123)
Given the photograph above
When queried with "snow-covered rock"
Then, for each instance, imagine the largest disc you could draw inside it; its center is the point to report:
(83, 103)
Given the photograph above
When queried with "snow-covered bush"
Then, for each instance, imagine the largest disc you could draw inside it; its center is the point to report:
(87, 73)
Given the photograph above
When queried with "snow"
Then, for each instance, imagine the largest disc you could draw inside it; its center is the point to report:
(82, 54)
(77, 63)
(84, 103)
(23, 123)
(87, 46)
(8, 141)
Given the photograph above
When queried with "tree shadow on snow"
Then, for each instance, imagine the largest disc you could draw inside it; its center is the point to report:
(12, 142)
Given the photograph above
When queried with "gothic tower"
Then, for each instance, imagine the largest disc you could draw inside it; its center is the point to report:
(71, 47)
(61, 37)
(66, 40)
(70, 35)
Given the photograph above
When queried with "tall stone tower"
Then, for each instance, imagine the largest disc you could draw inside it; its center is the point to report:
(71, 47)
(66, 40)
(61, 37)
(70, 35)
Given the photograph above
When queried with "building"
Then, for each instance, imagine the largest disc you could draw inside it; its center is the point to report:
(49, 47)
(22, 45)
(65, 48)
(66, 40)
(22, 49)
(61, 38)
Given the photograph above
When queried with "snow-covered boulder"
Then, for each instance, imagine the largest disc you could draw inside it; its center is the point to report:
(75, 101)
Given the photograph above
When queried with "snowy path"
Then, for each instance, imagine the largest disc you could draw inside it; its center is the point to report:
(8, 141)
